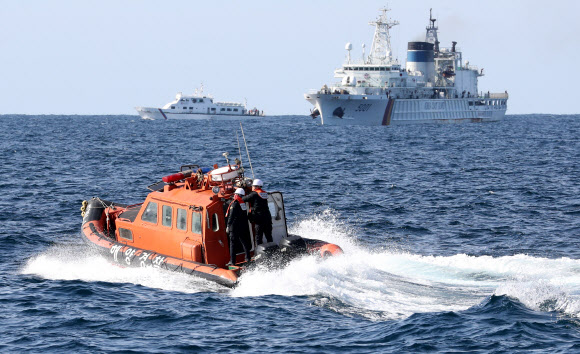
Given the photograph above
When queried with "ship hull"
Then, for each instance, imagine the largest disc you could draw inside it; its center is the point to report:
(381, 110)
(158, 113)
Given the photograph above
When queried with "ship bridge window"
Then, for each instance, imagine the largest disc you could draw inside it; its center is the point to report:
(190, 107)
(150, 213)
(213, 108)
(201, 100)
(193, 100)
(196, 222)
(184, 107)
(181, 219)
(229, 109)
(166, 219)
(223, 109)
(172, 107)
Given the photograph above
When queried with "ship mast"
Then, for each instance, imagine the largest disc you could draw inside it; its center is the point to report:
(431, 35)
(381, 52)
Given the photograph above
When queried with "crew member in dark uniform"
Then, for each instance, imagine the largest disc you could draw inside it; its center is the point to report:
(237, 227)
(260, 216)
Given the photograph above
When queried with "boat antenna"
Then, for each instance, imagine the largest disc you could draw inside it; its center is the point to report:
(239, 150)
(247, 152)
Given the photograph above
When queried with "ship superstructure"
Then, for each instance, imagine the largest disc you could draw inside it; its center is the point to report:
(434, 85)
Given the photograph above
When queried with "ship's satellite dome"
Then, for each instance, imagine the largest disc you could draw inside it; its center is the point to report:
(348, 46)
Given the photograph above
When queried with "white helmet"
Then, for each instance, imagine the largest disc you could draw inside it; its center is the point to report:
(240, 191)
(257, 182)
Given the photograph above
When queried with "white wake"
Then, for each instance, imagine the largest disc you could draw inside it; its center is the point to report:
(381, 284)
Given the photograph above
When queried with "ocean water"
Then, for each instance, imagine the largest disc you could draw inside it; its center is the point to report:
(457, 238)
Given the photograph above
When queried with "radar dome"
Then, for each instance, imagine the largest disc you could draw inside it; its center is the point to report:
(348, 46)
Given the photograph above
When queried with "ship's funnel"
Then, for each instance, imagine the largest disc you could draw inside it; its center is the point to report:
(421, 58)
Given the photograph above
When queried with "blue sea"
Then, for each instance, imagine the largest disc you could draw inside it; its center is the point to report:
(457, 238)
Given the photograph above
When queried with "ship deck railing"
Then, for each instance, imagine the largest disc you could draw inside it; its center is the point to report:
(496, 95)
(230, 104)
(487, 95)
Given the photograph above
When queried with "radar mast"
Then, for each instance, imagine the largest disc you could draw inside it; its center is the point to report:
(381, 52)
(431, 35)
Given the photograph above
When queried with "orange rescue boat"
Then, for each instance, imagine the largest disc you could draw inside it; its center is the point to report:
(181, 227)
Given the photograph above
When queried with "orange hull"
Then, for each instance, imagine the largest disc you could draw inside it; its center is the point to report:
(135, 257)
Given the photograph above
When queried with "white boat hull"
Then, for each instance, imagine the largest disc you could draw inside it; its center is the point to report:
(163, 114)
(380, 110)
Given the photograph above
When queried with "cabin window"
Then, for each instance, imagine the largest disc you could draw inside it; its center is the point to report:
(190, 107)
(196, 222)
(166, 220)
(273, 209)
(181, 219)
(200, 100)
(150, 213)
(229, 109)
(126, 234)
(215, 222)
(213, 109)
(235, 109)
(193, 100)
(172, 107)
(184, 107)
(223, 109)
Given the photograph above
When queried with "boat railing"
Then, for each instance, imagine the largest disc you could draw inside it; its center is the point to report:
(497, 95)
(229, 104)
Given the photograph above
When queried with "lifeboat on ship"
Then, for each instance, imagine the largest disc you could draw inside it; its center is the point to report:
(181, 226)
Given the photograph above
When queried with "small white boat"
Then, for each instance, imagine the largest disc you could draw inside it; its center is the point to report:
(198, 106)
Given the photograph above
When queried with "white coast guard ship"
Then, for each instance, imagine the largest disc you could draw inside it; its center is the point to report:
(198, 106)
(435, 85)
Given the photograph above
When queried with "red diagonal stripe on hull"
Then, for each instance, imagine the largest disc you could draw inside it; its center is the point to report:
(164, 116)
(388, 111)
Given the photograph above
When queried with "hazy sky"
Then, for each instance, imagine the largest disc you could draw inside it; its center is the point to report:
(106, 57)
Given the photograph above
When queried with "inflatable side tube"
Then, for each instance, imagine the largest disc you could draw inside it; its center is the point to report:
(322, 248)
(95, 209)
(136, 257)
